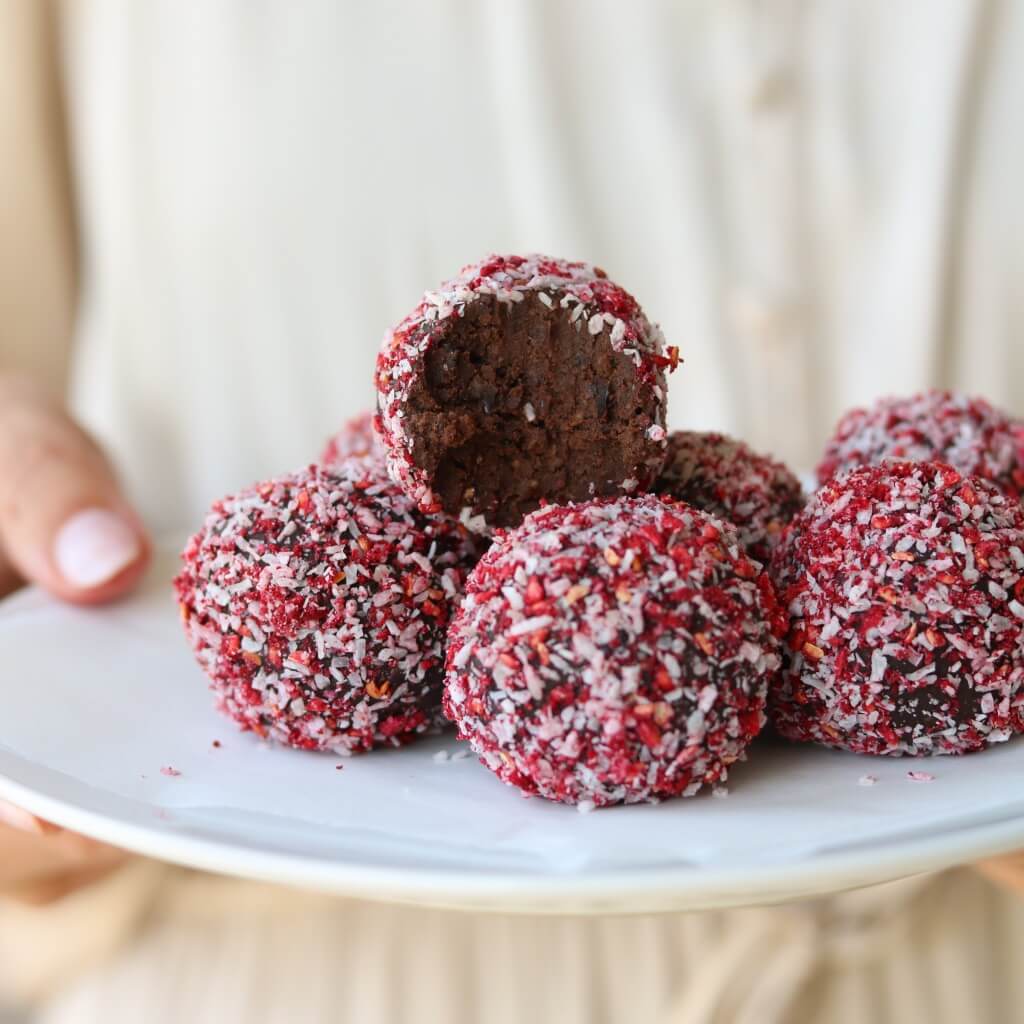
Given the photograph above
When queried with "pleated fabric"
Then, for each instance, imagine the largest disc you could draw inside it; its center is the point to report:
(940, 950)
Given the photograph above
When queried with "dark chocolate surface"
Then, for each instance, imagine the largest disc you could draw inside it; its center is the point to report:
(517, 405)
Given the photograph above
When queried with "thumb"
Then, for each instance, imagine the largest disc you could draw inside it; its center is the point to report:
(63, 521)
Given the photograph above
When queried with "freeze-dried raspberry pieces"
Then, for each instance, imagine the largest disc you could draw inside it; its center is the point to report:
(317, 603)
(355, 439)
(905, 586)
(615, 651)
(971, 435)
(717, 474)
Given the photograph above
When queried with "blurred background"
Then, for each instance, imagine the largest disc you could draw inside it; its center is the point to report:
(817, 200)
(210, 211)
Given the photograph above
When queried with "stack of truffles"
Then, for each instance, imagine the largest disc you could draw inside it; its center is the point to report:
(609, 613)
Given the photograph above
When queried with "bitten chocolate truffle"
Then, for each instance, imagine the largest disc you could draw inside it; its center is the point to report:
(905, 586)
(356, 438)
(317, 604)
(616, 651)
(970, 434)
(522, 380)
(717, 474)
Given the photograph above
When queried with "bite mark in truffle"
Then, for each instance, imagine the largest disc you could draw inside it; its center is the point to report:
(525, 379)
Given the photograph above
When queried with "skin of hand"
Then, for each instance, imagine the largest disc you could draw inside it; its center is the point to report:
(65, 526)
(1005, 871)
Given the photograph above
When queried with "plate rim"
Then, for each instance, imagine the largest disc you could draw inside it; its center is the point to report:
(653, 890)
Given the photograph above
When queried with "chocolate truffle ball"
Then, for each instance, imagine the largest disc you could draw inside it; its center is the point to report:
(717, 474)
(616, 651)
(905, 586)
(968, 433)
(522, 380)
(356, 438)
(317, 603)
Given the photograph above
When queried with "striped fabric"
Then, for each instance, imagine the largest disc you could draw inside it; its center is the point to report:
(187, 947)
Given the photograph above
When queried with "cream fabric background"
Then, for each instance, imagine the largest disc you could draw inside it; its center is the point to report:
(819, 201)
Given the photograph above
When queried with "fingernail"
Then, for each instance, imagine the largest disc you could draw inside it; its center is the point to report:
(93, 546)
(15, 817)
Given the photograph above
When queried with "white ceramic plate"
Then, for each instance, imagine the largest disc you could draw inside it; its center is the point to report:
(106, 727)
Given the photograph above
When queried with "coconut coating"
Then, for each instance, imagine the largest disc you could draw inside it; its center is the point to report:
(616, 651)
(522, 381)
(317, 604)
(968, 433)
(905, 587)
(720, 475)
(356, 438)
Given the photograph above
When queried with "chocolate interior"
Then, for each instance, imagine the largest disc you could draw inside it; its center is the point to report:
(516, 405)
